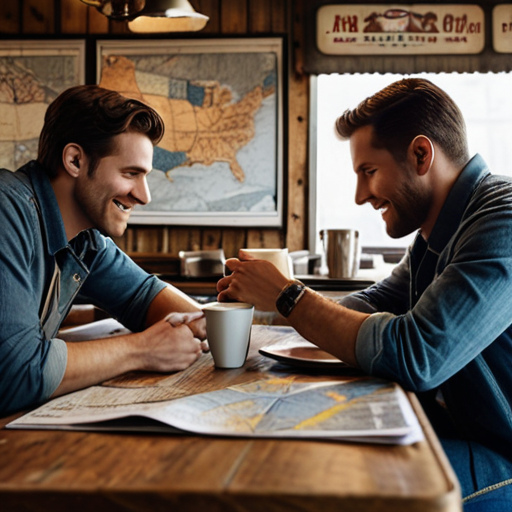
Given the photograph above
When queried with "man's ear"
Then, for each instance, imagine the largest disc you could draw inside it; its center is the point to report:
(73, 159)
(421, 152)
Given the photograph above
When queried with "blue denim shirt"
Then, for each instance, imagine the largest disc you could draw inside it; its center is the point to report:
(444, 321)
(90, 269)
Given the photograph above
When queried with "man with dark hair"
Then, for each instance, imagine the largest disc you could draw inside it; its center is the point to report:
(95, 152)
(441, 324)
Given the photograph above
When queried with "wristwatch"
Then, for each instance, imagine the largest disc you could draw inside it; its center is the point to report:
(289, 296)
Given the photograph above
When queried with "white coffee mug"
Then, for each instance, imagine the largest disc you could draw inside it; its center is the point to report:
(279, 257)
(228, 329)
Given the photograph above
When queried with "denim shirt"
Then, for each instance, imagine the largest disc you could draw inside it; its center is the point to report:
(88, 269)
(444, 321)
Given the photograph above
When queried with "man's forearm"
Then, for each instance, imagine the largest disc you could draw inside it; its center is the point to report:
(160, 348)
(328, 325)
(92, 362)
(168, 300)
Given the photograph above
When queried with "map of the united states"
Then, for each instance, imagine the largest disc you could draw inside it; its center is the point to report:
(202, 122)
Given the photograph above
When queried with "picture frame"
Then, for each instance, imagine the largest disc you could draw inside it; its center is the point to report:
(220, 162)
(32, 74)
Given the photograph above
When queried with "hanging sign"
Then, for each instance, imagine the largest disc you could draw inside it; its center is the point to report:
(400, 29)
(502, 28)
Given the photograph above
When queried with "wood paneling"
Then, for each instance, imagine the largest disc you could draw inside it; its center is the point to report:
(279, 16)
(121, 242)
(9, 17)
(296, 237)
(38, 17)
(298, 109)
(73, 17)
(264, 238)
(211, 239)
(184, 239)
(148, 239)
(260, 16)
(210, 8)
(233, 16)
(232, 241)
(96, 22)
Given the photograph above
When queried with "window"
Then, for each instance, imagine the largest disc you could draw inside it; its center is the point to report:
(485, 102)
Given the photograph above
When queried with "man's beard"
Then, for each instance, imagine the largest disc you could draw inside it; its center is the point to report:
(411, 206)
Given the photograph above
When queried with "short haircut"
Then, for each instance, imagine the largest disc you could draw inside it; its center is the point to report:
(405, 109)
(92, 117)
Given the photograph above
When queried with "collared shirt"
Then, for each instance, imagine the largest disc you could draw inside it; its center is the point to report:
(443, 325)
(42, 274)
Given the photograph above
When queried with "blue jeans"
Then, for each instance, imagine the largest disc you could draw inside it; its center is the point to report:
(485, 477)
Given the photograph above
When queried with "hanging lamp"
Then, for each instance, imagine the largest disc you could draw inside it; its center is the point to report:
(152, 16)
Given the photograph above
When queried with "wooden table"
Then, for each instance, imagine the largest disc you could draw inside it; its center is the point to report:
(77, 471)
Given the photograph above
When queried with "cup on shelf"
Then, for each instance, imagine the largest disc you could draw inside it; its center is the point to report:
(343, 252)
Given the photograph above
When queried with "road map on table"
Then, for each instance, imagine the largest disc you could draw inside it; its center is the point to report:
(363, 409)
(281, 407)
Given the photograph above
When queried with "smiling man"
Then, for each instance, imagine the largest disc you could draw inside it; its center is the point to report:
(441, 324)
(56, 217)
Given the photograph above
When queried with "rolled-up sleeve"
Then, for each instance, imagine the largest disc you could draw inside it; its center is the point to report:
(118, 285)
(466, 307)
(369, 340)
(55, 367)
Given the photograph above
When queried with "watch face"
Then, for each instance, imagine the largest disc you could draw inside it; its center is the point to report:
(288, 298)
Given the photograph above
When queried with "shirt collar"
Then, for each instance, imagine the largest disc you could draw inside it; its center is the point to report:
(56, 238)
(456, 202)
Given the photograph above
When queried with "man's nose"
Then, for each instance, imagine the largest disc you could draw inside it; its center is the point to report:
(141, 192)
(362, 193)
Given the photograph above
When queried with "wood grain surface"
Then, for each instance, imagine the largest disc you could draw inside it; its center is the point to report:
(76, 471)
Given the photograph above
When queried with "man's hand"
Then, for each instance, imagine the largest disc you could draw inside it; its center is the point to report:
(172, 299)
(167, 348)
(257, 282)
(195, 321)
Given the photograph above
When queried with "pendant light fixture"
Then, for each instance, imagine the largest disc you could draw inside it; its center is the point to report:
(119, 10)
(168, 16)
(152, 16)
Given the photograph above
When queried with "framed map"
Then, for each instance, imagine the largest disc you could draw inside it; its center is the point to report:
(220, 161)
(32, 75)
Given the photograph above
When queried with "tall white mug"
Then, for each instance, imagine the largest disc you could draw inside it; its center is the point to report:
(228, 329)
(279, 257)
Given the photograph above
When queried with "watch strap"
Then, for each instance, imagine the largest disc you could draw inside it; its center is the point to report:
(289, 297)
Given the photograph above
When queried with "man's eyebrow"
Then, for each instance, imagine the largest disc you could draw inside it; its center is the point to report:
(362, 167)
(136, 168)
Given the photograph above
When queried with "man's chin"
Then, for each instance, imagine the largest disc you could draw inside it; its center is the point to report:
(398, 229)
(113, 231)
(399, 232)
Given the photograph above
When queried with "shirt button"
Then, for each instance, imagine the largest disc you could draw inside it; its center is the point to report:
(76, 278)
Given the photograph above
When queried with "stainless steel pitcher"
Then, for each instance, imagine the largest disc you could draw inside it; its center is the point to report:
(343, 251)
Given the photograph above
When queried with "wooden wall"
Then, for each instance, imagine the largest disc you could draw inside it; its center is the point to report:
(60, 18)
